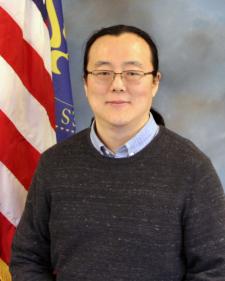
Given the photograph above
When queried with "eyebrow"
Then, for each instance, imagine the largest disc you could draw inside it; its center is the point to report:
(127, 63)
(102, 63)
(133, 63)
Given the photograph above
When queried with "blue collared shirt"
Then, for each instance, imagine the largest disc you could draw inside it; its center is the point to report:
(133, 146)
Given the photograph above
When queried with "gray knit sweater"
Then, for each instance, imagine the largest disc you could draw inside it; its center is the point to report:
(156, 216)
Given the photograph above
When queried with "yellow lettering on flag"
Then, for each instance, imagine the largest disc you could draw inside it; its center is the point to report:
(4, 272)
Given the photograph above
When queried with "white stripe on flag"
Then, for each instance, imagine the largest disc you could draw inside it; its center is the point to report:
(13, 196)
(30, 117)
(35, 32)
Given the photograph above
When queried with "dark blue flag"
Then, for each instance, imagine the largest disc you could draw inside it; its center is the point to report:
(65, 119)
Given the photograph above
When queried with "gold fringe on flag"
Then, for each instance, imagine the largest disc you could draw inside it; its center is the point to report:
(4, 272)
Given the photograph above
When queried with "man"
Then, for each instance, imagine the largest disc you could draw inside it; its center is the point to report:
(126, 199)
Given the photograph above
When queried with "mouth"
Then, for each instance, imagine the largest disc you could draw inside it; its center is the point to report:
(117, 102)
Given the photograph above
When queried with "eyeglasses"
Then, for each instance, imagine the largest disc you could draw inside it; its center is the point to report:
(107, 76)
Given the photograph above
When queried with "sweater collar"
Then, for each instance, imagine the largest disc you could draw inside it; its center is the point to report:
(133, 146)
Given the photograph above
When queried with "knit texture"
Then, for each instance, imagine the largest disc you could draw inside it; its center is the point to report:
(159, 215)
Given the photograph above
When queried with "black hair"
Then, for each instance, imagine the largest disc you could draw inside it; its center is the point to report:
(158, 117)
(117, 30)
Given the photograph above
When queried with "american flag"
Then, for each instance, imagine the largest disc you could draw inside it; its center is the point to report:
(27, 104)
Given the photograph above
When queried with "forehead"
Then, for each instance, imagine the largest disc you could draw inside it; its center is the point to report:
(121, 48)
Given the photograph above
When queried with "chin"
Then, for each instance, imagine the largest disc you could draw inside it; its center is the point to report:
(118, 123)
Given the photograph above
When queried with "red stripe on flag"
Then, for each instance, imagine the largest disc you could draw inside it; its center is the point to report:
(26, 63)
(7, 231)
(18, 155)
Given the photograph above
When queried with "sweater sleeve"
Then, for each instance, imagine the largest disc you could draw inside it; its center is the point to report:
(204, 227)
(31, 245)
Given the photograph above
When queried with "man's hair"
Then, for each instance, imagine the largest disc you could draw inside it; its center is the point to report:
(117, 30)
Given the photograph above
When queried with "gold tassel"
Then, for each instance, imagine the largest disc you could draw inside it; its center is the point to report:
(4, 272)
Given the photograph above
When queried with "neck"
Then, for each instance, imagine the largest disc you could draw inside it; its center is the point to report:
(114, 137)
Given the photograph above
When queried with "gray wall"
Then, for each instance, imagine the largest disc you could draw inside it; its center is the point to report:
(191, 39)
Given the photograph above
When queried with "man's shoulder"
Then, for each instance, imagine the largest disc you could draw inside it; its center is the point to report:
(181, 146)
(72, 145)
(183, 156)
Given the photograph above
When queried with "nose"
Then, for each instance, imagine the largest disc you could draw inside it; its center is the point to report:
(118, 74)
(118, 83)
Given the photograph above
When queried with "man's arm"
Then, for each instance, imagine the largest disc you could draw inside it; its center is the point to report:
(204, 227)
(31, 246)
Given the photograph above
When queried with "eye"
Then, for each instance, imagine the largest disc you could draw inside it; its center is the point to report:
(104, 73)
(133, 73)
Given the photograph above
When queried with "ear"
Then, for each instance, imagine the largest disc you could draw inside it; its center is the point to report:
(157, 78)
(85, 86)
(156, 81)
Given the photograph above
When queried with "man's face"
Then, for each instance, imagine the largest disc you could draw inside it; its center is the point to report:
(120, 104)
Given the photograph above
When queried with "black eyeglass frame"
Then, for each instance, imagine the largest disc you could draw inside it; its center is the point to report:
(121, 73)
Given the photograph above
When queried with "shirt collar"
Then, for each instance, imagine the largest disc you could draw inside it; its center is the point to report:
(133, 146)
